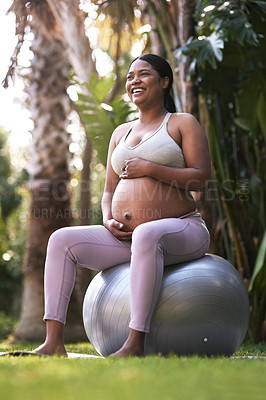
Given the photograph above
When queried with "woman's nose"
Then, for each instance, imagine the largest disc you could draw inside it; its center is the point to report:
(136, 79)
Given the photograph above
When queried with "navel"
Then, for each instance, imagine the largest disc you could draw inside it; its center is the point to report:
(127, 216)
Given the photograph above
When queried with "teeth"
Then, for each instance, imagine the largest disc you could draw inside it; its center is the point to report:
(137, 90)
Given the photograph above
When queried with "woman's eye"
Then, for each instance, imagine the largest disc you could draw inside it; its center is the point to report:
(130, 77)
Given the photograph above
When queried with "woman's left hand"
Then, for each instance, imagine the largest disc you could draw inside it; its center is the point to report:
(134, 168)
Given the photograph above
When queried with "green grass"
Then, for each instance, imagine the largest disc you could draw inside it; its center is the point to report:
(151, 377)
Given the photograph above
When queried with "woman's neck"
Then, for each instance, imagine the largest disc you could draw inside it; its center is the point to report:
(151, 115)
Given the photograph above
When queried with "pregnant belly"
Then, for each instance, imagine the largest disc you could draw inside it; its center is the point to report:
(140, 200)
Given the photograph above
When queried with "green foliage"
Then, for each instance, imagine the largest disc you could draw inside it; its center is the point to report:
(9, 197)
(260, 265)
(11, 254)
(229, 65)
(232, 19)
(219, 23)
(7, 323)
(12, 241)
(99, 118)
(204, 49)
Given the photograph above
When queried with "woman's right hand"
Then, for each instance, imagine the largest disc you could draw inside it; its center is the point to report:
(116, 229)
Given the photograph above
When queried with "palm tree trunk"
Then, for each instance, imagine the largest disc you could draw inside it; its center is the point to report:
(49, 174)
(71, 31)
(70, 20)
(57, 26)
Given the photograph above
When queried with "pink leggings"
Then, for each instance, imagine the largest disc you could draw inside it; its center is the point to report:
(154, 245)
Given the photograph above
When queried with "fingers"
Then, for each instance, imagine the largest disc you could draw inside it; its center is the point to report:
(117, 225)
(124, 175)
(125, 171)
(125, 168)
(133, 168)
(123, 235)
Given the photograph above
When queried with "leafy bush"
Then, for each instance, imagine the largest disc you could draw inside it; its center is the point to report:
(7, 323)
(228, 62)
(99, 118)
(12, 235)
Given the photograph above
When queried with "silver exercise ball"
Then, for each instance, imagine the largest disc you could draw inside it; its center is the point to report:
(203, 309)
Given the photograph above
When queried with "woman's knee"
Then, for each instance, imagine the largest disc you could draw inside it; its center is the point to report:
(145, 237)
(60, 237)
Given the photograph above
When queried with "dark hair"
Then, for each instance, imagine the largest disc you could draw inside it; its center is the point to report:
(163, 68)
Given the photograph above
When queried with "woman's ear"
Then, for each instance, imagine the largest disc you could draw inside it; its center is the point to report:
(165, 82)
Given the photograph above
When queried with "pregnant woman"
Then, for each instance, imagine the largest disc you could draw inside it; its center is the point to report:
(149, 215)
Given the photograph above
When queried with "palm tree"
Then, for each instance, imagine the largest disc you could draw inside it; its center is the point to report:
(70, 21)
(117, 17)
(49, 173)
(46, 83)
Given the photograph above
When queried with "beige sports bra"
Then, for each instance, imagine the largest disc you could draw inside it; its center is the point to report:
(160, 148)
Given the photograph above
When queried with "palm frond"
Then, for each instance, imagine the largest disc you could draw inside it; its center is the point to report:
(99, 118)
(205, 50)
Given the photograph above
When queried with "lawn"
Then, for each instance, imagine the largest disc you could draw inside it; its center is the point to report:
(147, 378)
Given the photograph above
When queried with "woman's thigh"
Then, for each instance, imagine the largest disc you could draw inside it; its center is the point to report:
(178, 239)
(91, 247)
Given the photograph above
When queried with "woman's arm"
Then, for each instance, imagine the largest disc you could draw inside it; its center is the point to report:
(196, 154)
(111, 181)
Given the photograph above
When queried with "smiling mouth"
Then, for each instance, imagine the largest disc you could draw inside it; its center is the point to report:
(137, 90)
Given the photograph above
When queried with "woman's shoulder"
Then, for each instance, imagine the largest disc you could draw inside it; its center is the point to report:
(183, 117)
(120, 130)
(185, 124)
(184, 120)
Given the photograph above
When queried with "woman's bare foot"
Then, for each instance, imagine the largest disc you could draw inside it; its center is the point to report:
(128, 351)
(133, 346)
(50, 350)
(54, 343)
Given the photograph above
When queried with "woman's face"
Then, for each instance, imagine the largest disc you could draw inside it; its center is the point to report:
(144, 84)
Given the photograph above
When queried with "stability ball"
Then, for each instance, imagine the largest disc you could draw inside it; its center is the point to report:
(202, 309)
